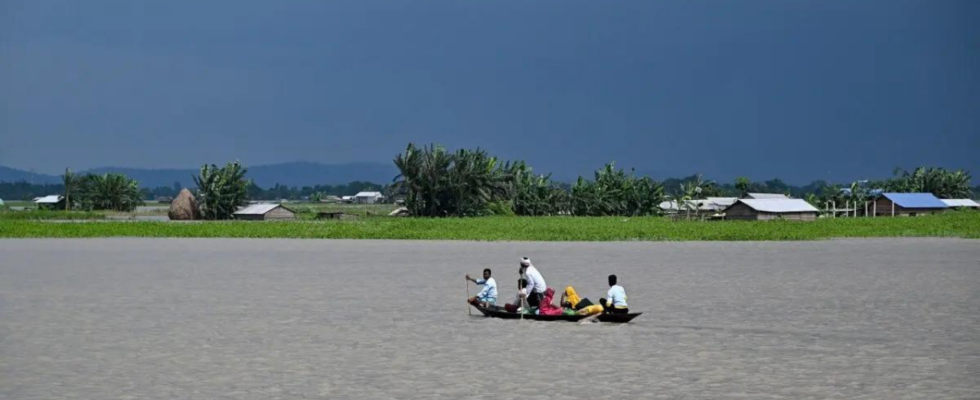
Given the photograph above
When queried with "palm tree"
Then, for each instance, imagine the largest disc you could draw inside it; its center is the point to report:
(437, 183)
(70, 182)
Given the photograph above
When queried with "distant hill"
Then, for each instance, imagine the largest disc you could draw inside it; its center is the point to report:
(15, 175)
(290, 174)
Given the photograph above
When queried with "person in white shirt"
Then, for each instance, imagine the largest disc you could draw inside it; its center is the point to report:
(535, 283)
(487, 296)
(615, 301)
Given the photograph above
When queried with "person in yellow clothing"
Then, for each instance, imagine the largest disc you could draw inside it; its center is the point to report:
(580, 306)
(570, 299)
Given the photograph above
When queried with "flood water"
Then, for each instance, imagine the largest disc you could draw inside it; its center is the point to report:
(294, 319)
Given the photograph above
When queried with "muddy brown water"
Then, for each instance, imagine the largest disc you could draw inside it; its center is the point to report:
(295, 319)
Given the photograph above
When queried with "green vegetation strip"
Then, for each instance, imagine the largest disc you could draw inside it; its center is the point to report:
(49, 215)
(953, 224)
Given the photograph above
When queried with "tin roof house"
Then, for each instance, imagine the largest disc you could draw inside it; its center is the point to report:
(265, 212)
(906, 204)
(770, 209)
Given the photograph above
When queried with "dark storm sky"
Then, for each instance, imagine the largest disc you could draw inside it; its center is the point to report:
(796, 89)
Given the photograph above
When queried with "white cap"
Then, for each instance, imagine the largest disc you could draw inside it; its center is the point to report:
(526, 262)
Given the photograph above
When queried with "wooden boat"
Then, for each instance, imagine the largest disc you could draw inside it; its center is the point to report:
(499, 312)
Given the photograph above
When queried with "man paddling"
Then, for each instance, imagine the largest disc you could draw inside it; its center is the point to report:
(615, 301)
(535, 283)
(489, 293)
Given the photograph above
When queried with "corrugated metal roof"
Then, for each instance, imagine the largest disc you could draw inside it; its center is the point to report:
(719, 203)
(688, 204)
(765, 196)
(367, 194)
(953, 203)
(52, 199)
(708, 204)
(915, 200)
(257, 209)
(779, 205)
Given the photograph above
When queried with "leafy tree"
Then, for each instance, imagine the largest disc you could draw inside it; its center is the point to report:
(221, 191)
(699, 188)
(742, 184)
(614, 192)
(532, 194)
(938, 181)
(109, 191)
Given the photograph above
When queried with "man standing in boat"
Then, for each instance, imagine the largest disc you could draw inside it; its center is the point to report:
(535, 283)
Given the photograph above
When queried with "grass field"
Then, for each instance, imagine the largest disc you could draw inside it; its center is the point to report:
(964, 224)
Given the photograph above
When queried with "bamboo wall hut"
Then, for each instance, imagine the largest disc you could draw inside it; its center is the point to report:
(770, 209)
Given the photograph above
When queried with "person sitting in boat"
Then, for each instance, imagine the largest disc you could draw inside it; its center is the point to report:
(535, 283)
(546, 307)
(571, 300)
(615, 301)
(488, 295)
(518, 301)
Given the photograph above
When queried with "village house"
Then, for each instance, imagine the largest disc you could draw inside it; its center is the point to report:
(368, 197)
(52, 202)
(265, 212)
(769, 209)
(906, 204)
(951, 203)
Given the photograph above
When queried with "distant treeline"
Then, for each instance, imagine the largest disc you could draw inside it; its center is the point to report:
(27, 191)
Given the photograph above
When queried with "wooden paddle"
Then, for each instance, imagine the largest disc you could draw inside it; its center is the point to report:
(469, 310)
(521, 308)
